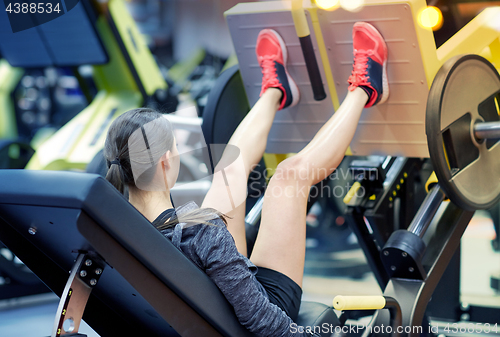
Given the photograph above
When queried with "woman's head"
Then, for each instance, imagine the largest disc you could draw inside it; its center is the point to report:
(140, 151)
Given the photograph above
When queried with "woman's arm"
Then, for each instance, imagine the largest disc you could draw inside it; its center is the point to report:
(215, 246)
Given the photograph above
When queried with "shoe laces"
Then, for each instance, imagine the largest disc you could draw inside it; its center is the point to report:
(270, 77)
(359, 74)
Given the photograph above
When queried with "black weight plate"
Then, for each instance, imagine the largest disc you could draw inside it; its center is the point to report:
(468, 171)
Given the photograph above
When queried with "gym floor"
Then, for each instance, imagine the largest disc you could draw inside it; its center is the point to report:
(33, 316)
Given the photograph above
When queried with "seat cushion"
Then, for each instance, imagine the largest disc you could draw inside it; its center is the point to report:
(313, 314)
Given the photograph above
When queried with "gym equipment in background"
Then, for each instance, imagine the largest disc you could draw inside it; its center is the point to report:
(14, 151)
(102, 34)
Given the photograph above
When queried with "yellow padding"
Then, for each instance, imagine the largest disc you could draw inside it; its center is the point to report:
(358, 302)
(352, 192)
(433, 180)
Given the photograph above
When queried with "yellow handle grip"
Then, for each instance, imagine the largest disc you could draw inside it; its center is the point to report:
(358, 302)
(352, 192)
(299, 19)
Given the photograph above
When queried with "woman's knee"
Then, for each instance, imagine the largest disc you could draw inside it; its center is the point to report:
(294, 169)
(234, 171)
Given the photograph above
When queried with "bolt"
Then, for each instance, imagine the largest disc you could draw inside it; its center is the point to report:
(93, 282)
(88, 263)
(83, 273)
(405, 254)
(393, 268)
(465, 317)
(32, 230)
(411, 269)
(386, 253)
(98, 271)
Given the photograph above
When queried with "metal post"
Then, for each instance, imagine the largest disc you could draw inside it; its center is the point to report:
(396, 314)
(426, 212)
(254, 214)
(487, 130)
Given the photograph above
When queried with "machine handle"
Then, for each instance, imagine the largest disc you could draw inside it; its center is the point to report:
(359, 302)
(352, 192)
(302, 29)
(312, 68)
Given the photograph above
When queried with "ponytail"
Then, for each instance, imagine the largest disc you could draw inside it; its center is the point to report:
(115, 177)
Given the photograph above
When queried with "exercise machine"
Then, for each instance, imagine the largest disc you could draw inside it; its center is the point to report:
(14, 152)
(60, 221)
(104, 35)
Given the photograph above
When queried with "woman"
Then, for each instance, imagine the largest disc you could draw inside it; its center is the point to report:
(142, 155)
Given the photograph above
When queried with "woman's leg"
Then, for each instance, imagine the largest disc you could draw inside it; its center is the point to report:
(229, 183)
(229, 186)
(280, 244)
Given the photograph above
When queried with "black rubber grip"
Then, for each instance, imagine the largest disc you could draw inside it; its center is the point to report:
(312, 68)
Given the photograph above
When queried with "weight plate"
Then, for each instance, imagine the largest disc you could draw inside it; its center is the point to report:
(465, 91)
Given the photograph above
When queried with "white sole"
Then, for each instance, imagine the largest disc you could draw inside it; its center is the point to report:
(385, 84)
(291, 83)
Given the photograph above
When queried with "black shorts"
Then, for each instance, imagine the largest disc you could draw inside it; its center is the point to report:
(281, 290)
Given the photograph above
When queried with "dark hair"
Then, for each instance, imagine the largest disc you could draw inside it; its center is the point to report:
(135, 142)
(116, 147)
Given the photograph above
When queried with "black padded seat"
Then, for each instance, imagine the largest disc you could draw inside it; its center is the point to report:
(47, 218)
(314, 314)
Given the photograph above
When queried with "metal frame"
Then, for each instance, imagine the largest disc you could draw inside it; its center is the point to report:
(374, 224)
(414, 295)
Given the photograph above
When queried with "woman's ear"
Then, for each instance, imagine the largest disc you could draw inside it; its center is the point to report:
(165, 159)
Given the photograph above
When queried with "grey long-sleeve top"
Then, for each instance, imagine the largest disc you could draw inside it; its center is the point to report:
(212, 249)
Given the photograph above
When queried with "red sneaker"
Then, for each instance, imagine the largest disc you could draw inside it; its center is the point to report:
(272, 56)
(370, 63)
